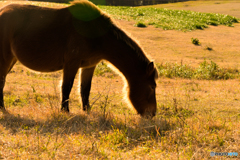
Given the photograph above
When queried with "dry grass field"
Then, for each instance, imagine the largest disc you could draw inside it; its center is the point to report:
(194, 116)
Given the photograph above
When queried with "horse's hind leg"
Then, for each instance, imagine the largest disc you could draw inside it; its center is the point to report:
(86, 80)
(69, 74)
(5, 67)
(2, 83)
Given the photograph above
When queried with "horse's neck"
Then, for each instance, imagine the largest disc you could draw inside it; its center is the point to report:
(124, 58)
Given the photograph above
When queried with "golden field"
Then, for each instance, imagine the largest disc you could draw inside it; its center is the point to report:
(194, 116)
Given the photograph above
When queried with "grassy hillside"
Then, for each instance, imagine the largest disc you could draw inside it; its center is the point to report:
(170, 19)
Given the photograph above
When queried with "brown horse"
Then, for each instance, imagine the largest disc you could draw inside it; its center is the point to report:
(79, 36)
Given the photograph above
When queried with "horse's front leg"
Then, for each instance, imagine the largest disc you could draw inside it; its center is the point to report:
(68, 79)
(86, 80)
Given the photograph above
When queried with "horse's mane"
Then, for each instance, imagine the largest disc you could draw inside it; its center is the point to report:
(118, 32)
(126, 38)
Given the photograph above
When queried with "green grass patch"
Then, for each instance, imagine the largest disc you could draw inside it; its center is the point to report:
(206, 70)
(170, 19)
(103, 70)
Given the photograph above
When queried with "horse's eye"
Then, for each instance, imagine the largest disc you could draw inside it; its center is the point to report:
(152, 87)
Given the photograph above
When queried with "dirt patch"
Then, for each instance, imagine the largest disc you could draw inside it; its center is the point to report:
(176, 46)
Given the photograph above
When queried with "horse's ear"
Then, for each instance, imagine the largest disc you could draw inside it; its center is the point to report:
(150, 68)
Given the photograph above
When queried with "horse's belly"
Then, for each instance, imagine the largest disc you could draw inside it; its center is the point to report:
(42, 66)
(39, 54)
(42, 62)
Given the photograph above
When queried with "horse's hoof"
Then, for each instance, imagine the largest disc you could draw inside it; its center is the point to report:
(65, 110)
(4, 111)
(87, 108)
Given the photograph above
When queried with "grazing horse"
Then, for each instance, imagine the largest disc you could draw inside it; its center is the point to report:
(78, 36)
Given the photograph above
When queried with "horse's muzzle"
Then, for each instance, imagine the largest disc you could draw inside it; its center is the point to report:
(149, 113)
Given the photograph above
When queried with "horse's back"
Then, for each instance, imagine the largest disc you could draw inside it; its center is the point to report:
(27, 19)
(36, 34)
(45, 39)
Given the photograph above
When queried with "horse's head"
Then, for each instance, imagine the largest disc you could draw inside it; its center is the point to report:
(142, 93)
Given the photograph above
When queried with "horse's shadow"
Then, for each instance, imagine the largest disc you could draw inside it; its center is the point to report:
(68, 124)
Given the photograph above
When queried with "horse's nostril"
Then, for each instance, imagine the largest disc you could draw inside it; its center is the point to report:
(153, 113)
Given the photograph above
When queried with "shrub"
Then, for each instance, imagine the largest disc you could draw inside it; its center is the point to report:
(213, 71)
(140, 24)
(195, 41)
